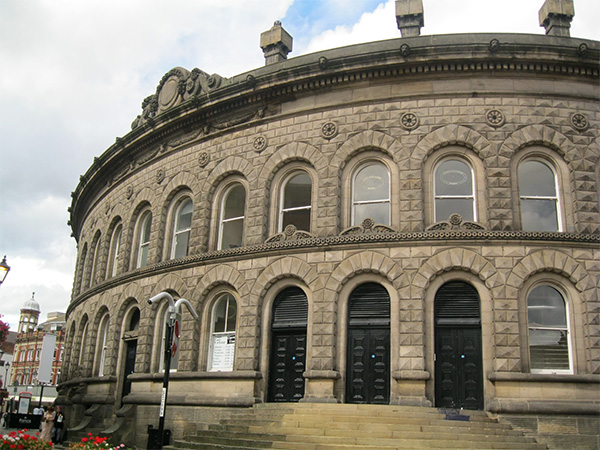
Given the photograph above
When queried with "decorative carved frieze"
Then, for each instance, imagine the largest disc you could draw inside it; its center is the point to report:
(291, 233)
(368, 226)
(455, 223)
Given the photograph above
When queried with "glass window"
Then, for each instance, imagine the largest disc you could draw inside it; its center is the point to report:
(548, 330)
(144, 239)
(222, 349)
(115, 248)
(102, 344)
(233, 206)
(454, 190)
(371, 194)
(538, 195)
(296, 196)
(82, 349)
(182, 229)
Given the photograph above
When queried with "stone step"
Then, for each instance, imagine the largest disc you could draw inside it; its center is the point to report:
(356, 427)
(344, 436)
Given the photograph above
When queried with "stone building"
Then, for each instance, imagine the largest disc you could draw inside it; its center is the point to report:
(408, 222)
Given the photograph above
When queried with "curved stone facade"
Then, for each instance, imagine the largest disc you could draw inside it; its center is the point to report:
(404, 107)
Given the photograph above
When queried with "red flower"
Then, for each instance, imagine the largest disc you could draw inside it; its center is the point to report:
(84, 439)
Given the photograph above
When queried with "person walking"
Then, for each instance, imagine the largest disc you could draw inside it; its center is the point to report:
(59, 423)
(48, 424)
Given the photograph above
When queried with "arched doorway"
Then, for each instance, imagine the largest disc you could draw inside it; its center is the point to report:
(368, 354)
(288, 346)
(458, 352)
(130, 340)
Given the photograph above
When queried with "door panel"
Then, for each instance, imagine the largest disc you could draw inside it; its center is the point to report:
(368, 377)
(287, 366)
(130, 354)
(458, 368)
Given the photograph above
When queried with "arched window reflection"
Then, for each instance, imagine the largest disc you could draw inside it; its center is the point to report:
(371, 194)
(538, 195)
(296, 200)
(182, 229)
(233, 207)
(223, 326)
(454, 190)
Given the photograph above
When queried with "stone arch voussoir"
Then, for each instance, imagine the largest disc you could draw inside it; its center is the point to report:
(539, 135)
(455, 259)
(549, 261)
(452, 135)
(220, 275)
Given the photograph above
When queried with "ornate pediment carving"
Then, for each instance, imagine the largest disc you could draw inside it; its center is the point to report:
(291, 233)
(178, 85)
(368, 226)
(455, 222)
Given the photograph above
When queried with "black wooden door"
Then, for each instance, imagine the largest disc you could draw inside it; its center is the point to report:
(368, 366)
(458, 369)
(458, 352)
(130, 354)
(288, 362)
(368, 351)
(288, 346)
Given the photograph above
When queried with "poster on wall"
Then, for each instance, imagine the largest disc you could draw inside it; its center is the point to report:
(223, 352)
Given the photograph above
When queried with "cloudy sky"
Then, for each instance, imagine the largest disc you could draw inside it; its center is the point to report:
(74, 74)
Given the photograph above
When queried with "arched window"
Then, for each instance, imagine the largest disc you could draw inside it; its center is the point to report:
(82, 347)
(102, 344)
(295, 203)
(144, 239)
(454, 190)
(181, 229)
(549, 342)
(371, 194)
(94, 256)
(231, 227)
(223, 325)
(81, 268)
(538, 194)
(115, 248)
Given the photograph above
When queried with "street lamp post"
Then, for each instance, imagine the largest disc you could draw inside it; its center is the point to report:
(4, 269)
(174, 316)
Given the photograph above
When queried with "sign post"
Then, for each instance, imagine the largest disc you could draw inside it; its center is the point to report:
(156, 437)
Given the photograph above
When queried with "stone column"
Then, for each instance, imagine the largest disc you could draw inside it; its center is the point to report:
(410, 17)
(276, 43)
(555, 17)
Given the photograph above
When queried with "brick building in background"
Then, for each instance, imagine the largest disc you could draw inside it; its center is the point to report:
(27, 350)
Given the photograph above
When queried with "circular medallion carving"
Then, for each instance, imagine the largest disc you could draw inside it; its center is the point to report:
(260, 143)
(289, 230)
(129, 192)
(329, 130)
(169, 93)
(409, 121)
(494, 118)
(494, 45)
(368, 223)
(323, 63)
(404, 49)
(579, 122)
(203, 159)
(160, 176)
(455, 219)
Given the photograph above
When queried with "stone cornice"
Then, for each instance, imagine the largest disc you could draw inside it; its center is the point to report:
(324, 243)
(415, 57)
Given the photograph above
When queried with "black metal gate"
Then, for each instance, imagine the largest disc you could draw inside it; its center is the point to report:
(458, 353)
(368, 357)
(288, 346)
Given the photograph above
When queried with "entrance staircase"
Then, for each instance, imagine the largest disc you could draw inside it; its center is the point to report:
(313, 426)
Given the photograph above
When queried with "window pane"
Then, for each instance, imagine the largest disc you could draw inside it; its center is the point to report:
(546, 308)
(536, 179)
(182, 241)
(184, 219)
(143, 256)
(219, 315)
(297, 191)
(231, 314)
(232, 234)
(539, 215)
(235, 202)
(379, 212)
(372, 183)
(453, 177)
(549, 349)
(300, 218)
(445, 207)
(147, 224)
